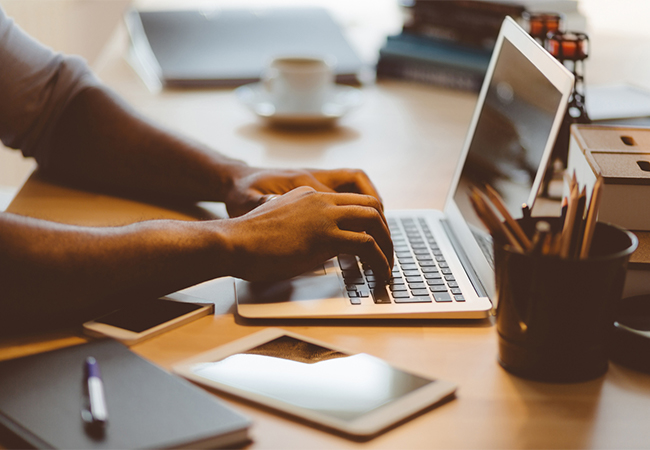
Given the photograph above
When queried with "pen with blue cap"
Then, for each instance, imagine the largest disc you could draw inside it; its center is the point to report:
(94, 412)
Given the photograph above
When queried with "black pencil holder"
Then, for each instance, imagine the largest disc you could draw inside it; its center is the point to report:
(553, 314)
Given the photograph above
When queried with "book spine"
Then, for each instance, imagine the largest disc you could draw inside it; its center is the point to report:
(437, 51)
(471, 22)
(13, 435)
(429, 73)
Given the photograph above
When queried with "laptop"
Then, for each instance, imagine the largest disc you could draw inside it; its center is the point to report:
(444, 266)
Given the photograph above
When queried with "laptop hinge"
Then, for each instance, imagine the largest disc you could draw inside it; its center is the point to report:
(464, 260)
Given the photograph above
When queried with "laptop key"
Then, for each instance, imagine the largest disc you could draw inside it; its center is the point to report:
(431, 270)
(397, 287)
(420, 292)
(380, 295)
(459, 298)
(348, 262)
(400, 295)
(355, 301)
(417, 286)
(427, 264)
(351, 273)
(438, 288)
(414, 300)
(436, 282)
(442, 297)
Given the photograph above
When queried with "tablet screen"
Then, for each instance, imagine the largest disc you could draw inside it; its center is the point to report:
(147, 314)
(316, 378)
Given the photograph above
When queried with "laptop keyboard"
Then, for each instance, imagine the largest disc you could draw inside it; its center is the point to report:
(420, 273)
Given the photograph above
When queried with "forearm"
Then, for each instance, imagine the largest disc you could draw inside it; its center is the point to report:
(50, 270)
(101, 143)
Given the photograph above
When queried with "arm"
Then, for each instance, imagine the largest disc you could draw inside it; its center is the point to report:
(54, 109)
(62, 274)
(100, 142)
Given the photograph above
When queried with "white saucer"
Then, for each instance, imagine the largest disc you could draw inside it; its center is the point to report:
(340, 100)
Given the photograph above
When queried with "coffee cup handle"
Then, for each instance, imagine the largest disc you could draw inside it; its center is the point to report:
(269, 78)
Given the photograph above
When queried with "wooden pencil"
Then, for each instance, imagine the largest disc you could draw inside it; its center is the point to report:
(567, 229)
(492, 222)
(592, 217)
(497, 201)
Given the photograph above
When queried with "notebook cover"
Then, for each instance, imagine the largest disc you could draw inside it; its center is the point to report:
(41, 397)
(233, 46)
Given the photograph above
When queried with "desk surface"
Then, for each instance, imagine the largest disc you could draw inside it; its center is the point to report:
(407, 138)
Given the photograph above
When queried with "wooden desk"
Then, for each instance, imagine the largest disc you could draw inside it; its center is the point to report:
(407, 138)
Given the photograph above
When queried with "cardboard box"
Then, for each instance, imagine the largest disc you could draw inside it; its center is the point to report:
(621, 156)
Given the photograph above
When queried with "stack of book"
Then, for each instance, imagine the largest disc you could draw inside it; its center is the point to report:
(446, 43)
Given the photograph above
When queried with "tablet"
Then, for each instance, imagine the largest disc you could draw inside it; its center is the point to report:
(146, 319)
(354, 393)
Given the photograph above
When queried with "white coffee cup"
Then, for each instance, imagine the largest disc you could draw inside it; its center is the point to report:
(297, 84)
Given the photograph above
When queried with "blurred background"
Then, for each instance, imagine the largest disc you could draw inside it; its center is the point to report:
(84, 27)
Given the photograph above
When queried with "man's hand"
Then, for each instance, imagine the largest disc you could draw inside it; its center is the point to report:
(303, 228)
(253, 186)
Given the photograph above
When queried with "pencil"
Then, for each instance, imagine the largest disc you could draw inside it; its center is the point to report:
(542, 231)
(497, 201)
(579, 225)
(592, 216)
(491, 221)
(567, 229)
(565, 205)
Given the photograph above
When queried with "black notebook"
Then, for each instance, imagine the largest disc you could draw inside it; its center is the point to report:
(233, 46)
(41, 398)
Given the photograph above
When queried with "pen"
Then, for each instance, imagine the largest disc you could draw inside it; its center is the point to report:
(94, 412)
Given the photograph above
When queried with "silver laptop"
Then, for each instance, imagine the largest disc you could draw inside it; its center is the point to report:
(444, 265)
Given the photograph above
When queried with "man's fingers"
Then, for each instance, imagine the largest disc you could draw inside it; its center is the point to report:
(365, 246)
(360, 200)
(368, 220)
(348, 180)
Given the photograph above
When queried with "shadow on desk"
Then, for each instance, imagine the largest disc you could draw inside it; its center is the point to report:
(47, 199)
(283, 143)
(378, 323)
(576, 403)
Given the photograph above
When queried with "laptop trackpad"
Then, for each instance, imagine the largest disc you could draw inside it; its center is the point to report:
(296, 289)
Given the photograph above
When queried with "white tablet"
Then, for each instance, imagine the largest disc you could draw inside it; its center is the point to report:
(355, 393)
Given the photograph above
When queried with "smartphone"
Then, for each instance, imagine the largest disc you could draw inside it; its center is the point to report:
(146, 319)
(353, 393)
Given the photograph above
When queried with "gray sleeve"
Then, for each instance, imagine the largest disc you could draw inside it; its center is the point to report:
(36, 84)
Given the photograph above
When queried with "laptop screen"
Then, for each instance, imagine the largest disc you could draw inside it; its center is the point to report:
(510, 138)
